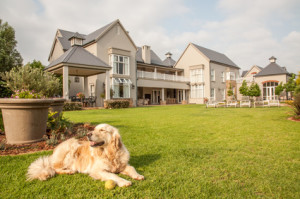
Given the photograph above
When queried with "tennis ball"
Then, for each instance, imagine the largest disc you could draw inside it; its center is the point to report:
(110, 184)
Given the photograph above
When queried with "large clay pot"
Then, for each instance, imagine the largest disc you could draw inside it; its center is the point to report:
(57, 106)
(25, 120)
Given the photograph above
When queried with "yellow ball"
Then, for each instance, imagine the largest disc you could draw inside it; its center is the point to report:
(110, 184)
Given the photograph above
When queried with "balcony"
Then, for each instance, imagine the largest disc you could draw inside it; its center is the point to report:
(161, 76)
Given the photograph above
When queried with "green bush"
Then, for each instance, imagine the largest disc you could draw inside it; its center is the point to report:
(113, 104)
(1, 122)
(33, 79)
(296, 105)
(72, 106)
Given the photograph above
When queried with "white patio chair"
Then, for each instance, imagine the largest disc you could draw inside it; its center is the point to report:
(245, 101)
(232, 102)
(273, 101)
(211, 103)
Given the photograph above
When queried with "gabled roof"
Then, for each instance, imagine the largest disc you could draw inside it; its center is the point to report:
(78, 55)
(272, 69)
(169, 62)
(66, 35)
(153, 56)
(215, 56)
(244, 73)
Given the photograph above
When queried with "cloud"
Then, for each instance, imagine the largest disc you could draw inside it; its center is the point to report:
(248, 32)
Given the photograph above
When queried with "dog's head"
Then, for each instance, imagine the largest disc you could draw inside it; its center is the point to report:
(104, 135)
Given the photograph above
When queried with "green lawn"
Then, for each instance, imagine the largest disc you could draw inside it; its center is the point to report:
(183, 151)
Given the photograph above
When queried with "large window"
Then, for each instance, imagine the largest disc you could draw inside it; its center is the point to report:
(223, 76)
(212, 75)
(197, 91)
(196, 75)
(212, 93)
(230, 76)
(269, 90)
(121, 88)
(120, 64)
(223, 93)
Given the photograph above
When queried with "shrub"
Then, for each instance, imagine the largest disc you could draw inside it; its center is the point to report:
(2, 145)
(29, 78)
(1, 122)
(72, 106)
(114, 104)
(296, 105)
(26, 94)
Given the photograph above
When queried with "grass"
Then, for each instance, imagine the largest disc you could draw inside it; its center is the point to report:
(184, 152)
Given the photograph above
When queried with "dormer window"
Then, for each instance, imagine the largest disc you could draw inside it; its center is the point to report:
(76, 39)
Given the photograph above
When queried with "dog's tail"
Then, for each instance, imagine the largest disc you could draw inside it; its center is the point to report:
(41, 169)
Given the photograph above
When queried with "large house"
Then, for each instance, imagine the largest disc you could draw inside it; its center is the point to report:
(108, 61)
(267, 78)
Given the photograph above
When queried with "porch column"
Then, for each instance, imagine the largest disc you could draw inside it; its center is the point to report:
(162, 94)
(107, 85)
(183, 94)
(155, 73)
(86, 87)
(65, 82)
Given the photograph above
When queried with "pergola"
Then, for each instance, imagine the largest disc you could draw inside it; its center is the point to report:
(79, 62)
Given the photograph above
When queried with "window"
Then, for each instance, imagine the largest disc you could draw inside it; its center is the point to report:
(196, 75)
(197, 91)
(212, 93)
(223, 94)
(212, 75)
(76, 79)
(269, 90)
(223, 76)
(230, 76)
(120, 64)
(121, 88)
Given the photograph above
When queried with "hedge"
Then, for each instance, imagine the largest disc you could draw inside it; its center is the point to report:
(72, 106)
(113, 104)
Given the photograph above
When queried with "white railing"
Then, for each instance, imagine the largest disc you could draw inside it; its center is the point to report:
(161, 76)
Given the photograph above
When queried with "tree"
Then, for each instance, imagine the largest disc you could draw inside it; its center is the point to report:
(244, 88)
(279, 89)
(9, 56)
(36, 64)
(298, 79)
(254, 90)
(230, 91)
(290, 85)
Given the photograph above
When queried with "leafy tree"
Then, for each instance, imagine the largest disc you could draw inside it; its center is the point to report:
(9, 56)
(279, 89)
(290, 85)
(230, 91)
(244, 88)
(36, 64)
(298, 79)
(254, 90)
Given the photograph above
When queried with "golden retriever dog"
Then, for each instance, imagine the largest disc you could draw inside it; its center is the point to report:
(102, 157)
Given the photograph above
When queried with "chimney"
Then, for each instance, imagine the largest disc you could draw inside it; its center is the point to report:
(146, 54)
(76, 39)
(272, 59)
(168, 55)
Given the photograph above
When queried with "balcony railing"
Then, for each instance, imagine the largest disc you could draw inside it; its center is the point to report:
(248, 79)
(161, 76)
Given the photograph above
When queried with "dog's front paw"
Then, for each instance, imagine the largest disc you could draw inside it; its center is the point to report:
(139, 177)
(124, 183)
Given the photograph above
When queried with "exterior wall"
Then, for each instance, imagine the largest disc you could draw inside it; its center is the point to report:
(75, 87)
(218, 85)
(162, 84)
(57, 51)
(261, 80)
(92, 49)
(254, 70)
(192, 59)
(117, 38)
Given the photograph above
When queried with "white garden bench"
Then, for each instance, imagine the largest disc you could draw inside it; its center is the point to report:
(245, 101)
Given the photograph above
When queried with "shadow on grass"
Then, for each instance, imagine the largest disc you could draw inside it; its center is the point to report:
(144, 160)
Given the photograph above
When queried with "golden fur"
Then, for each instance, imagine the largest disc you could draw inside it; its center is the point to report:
(101, 157)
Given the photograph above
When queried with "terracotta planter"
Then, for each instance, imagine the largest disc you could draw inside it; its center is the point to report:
(57, 106)
(25, 120)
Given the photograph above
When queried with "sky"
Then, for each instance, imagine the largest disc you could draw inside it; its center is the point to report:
(249, 32)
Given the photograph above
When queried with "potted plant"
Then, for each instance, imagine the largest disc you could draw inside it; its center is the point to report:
(25, 114)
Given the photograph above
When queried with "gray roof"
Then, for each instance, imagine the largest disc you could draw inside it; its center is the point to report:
(169, 62)
(78, 55)
(216, 56)
(64, 40)
(244, 73)
(272, 69)
(153, 56)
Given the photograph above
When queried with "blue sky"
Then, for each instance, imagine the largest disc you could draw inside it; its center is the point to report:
(247, 31)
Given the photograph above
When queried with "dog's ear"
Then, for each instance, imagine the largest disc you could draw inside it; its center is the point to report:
(117, 139)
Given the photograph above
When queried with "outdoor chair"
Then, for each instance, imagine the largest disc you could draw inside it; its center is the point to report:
(273, 101)
(211, 103)
(245, 101)
(92, 101)
(232, 102)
